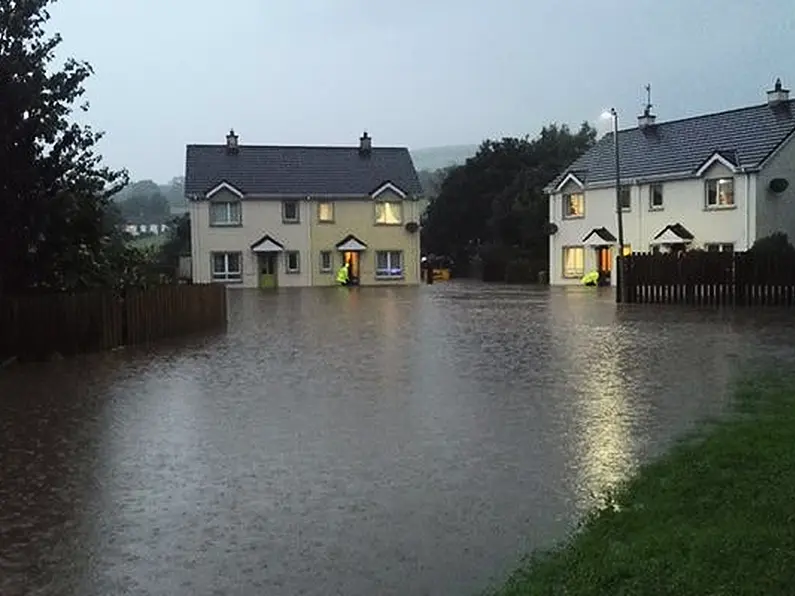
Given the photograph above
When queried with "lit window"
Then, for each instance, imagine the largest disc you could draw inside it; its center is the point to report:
(325, 212)
(625, 197)
(325, 261)
(290, 211)
(627, 250)
(656, 196)
(226, 267)
(720, 193)
(574, 205)
(292, 261)
(226, 213)
(388, 213)
(388, 264)
(573, 261)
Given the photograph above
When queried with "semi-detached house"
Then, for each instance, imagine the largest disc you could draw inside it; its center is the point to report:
(716, 182)
(272, 216)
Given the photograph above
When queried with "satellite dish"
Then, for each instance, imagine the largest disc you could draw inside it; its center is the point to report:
(778, 185)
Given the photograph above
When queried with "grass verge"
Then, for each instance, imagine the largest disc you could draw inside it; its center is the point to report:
(716, 515)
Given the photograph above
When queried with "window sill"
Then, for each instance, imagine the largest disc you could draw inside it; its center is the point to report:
(720, 207)
(228, 281)
(389, 277)
(565, 217)
(226, 225)
(293, 272)
(577, 276)
(656, 208)
(291, 221)
(388, 224)
(325, 221)
(325, 272)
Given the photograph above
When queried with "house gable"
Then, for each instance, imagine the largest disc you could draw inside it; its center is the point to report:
(388, 192)
(223, 187)
(722, 164)
(570, 183)
(267, 244)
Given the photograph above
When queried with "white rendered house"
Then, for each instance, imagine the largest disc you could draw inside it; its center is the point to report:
(716, 182)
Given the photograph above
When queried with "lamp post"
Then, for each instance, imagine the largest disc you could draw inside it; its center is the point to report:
(612, 113)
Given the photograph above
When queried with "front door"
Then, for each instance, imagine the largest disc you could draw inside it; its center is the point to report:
(268, 271)
(604, 263)
(352, 258)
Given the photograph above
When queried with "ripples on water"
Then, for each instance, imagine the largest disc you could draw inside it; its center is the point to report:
(374, 441)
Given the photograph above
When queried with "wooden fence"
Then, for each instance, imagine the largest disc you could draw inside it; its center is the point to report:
(707, 278)
(36, 326)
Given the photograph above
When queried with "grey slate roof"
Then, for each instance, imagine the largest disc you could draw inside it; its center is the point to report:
(298, 170)
(744, 136)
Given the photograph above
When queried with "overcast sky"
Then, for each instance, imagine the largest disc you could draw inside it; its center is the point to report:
(417, 73)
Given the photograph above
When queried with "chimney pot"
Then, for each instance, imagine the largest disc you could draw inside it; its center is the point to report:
(777, 95)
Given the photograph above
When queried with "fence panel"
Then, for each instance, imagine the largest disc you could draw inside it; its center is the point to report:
(710, 278)
(36, 326)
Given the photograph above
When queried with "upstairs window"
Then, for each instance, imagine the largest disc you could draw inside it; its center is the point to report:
(720, 193)
(573, 205)
(388, 213)
(656, 197)
(625, 198)
(227, 213)
(290, 212)
(325, 212)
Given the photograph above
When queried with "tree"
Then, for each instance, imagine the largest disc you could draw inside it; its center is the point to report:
(54, 192)
(496, 198)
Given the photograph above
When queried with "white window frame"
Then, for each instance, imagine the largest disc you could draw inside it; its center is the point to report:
(390, 271)
(228, 275)
(718, 182)
(320, 218)
(719, 247)
(229, 221)
(297, 218)
(330, 261)
(568, 275)
(378, 217)
(566, 204)
(652, 206)
(292, 270)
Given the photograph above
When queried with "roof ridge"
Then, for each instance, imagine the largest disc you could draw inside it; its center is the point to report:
(258, 146)
(790, 102)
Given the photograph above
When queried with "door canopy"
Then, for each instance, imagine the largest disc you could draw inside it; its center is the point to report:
(351, 243)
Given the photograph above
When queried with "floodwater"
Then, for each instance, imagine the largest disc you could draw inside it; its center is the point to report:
(395, 441)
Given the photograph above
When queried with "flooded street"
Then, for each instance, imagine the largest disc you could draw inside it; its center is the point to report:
(392, 441)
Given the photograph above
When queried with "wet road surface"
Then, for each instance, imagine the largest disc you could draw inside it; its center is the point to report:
(396, 441)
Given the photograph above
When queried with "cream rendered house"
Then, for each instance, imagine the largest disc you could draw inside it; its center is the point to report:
(277, 216)
(716, 182)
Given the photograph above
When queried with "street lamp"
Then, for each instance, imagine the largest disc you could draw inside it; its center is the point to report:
(612, 113)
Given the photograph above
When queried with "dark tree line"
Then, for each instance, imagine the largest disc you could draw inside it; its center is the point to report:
(493, 207)
(58, 227)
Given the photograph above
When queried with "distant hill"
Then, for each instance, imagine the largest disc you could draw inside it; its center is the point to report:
(435, 158)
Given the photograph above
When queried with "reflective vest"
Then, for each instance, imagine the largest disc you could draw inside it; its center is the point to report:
(342, 274)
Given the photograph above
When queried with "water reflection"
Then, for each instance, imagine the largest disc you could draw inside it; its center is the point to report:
(388, 441)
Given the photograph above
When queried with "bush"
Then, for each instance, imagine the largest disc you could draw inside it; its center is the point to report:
(777, 244)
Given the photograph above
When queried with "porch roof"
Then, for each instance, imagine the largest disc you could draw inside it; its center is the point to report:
(599, 237)
(351, 243)
(267, 244)
(673, 234)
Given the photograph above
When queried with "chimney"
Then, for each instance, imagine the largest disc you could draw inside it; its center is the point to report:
(646, 119)
(365, 144)
(231, 142)
(777, 95)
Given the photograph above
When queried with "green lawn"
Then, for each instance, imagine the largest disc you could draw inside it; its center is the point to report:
(152, 241)
(714, 516)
